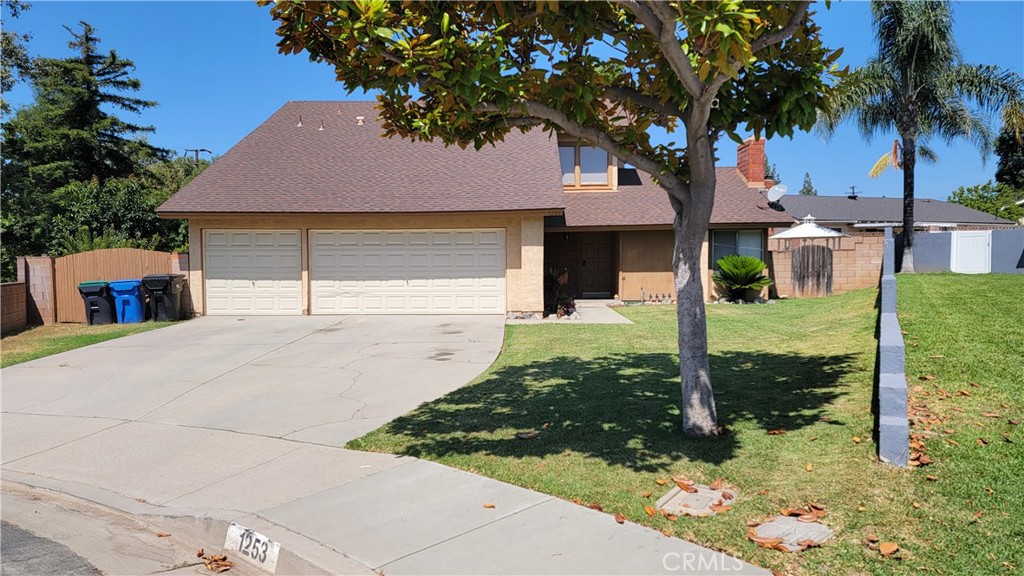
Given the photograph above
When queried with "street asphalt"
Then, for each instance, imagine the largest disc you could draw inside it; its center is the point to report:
(243, 420)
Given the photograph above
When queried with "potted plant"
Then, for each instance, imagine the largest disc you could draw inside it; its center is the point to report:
(740, 277)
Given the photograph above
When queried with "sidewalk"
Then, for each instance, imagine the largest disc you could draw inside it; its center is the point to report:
(333, 510)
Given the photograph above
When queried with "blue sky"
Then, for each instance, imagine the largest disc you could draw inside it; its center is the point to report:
(215, 71)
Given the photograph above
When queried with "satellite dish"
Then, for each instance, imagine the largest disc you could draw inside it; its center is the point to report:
(776, 192)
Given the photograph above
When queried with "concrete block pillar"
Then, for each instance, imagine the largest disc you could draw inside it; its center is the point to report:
(37, 272)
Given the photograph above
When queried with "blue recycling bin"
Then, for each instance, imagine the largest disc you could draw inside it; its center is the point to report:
(129, 301)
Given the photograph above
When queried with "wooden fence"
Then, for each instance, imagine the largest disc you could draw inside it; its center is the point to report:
(105, 265)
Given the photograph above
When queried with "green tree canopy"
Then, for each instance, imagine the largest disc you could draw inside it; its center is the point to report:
(918, 86)
(67, 137)
(996, 199)
(15, 62)
(808, 188)
(1010, 169)
(607, 73)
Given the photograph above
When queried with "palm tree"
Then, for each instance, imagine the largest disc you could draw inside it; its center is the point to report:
(919, 86)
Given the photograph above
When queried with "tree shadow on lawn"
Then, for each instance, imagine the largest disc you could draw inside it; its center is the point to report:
(623, 409)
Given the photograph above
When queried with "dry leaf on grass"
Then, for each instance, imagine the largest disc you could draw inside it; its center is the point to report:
(931, 478)
(887, 549)
(596, 506)
(716, 485)
(776, 432)
(620, 518)
(810, 468)
(719, 508)
(650, 511)
(660, 482)
(856, 439)
(527, 435)
(666, 532)
(871, 538)
(982, 442)
(645, 494)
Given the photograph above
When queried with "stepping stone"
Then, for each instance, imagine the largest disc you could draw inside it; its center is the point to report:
(793, 531)
(678, 502)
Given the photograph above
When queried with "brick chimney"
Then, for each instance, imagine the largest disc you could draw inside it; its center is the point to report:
(750, 163)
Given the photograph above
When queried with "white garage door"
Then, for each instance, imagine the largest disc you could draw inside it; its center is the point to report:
(253, 272)
(407, 271)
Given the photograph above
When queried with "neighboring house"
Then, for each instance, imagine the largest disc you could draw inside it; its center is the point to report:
(315, 212)
(848, 214)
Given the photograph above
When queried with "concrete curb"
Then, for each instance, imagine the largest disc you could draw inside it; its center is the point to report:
(893, 423)
(207, 528)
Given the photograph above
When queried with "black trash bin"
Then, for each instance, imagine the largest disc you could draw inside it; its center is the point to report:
(99, 302)
(164, 295)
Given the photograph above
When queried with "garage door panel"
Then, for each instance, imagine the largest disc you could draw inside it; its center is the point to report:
(253, 272)
(407, 271)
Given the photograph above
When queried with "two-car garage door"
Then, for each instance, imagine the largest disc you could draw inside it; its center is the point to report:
(459, 271)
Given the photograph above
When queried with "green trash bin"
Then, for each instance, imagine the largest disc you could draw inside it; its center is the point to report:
(99, 302)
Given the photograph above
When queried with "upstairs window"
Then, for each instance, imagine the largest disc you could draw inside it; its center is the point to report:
(585, 167)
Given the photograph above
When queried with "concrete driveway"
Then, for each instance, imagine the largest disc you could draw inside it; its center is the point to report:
(320, 380)
(223, 420)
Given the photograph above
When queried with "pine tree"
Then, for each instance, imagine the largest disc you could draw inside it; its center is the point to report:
(770, 173)
(68, 135)
(808, 188)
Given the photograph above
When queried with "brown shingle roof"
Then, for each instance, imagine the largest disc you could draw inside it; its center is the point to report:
(640, 202)
(345, 167)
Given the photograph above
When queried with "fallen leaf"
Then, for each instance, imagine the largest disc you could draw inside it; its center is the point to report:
(936, 356)
(810, 468)
(888, 548)
(974, 384)
(200, 553)
(162, 534)
(952, 442)
(856, 439)
(808, 543)
(927, 377)
(762, 541)
(687, 488)
(807, 518)
(682, 480)
(1005, 405)
(924, 460)
(730, 496)
(719, 508)
(650, 511)
(982, 442)
(671, 517)
(777, 432)
(990, 491)
(931, 478)
(1014, 421)
(527, 435)
(871, 538)
(220, 558)
(666, 532)
(812, 438)
(620, 518)
(990, 415)
(762, 492)
(660, 482)
(963, 393)
(949, 431)
(861, 508)
(979, 514)
(645, 494)
(716, 485)
(596, 506)
(753, 523)
(488, 505)
(915, 504)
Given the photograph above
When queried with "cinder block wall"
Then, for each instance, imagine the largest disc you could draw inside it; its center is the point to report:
(37, 273)
(856, 264)
(13, 306)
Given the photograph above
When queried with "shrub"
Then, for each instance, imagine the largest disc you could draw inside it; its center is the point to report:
(737, 274)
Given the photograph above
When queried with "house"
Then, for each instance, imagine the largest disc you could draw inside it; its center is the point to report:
(848, 214)
(314, 212)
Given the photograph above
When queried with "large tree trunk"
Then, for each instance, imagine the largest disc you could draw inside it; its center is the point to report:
(693, 211)
(909, 161)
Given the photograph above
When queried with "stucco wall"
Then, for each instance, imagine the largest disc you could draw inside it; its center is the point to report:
(856, 264)
(932, 251)
(1008, 251)
(524, 245)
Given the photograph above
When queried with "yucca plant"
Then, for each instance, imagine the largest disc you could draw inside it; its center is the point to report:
(737, 274)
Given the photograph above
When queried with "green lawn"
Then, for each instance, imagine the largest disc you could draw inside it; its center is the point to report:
(605, 402)
(43, 341)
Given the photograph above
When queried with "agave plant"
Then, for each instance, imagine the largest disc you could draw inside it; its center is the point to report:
(738, 274)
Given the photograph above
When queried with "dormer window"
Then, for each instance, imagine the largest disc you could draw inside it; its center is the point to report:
(585, 167)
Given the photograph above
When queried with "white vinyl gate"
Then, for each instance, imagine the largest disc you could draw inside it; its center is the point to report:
(971, 252)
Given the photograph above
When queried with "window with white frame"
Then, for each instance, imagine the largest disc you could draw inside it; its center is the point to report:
(742, 242)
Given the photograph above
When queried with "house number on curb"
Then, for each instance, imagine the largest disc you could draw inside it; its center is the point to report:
(253, 547)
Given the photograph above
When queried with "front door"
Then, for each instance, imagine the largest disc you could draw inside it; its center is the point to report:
(596, 266)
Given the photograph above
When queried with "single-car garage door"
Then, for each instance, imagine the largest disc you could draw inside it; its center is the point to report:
(407, 271)
(253, 272)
